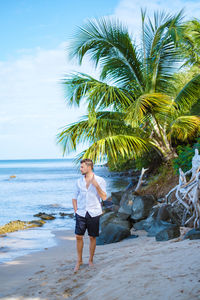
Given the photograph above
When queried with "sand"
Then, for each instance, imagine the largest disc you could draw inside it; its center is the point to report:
(136, 269)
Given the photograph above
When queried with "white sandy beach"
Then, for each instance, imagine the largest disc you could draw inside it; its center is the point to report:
(136, 269)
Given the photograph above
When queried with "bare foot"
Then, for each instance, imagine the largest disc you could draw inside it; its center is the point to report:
(91, 264)
(77, 266)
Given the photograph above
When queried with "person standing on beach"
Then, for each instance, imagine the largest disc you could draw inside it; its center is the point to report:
(87, 207)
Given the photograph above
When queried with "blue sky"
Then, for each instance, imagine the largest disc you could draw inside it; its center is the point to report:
(33, 60)
(44, 23)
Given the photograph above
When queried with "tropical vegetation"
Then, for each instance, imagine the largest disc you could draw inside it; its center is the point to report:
(185, 155)
(134, 106)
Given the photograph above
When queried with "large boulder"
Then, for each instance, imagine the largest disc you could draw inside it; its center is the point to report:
(105, 219)
(112, 233)
(193, 234)
(113, 228)
(116, 197)
(159, 219)
(144, 224)
(172, 213)
(126, 203)
(156, 227)
(138, 207)
(176, 213)
(160, 213)
(153, 227)
(142, 206)
(147, 223)
(168, 233)
(107, 205)
(112, 217)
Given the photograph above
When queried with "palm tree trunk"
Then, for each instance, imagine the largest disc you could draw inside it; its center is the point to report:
(165, 154)
(163, 144)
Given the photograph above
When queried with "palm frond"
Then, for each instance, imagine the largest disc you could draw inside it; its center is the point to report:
(124, 145)
(189, 95)
(160, 39)
(107, 123)
(73, 134)
(190, 44)
(98, 94)
(184, 127)
(79, 157)
(148, 104)
(104, 39)
(117, 70)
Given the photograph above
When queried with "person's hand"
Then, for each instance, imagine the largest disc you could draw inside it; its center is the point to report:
(94, 182)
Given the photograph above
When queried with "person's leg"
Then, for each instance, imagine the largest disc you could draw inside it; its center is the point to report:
(79, 248)
(79, 231)
(93, 232)
(92, 249)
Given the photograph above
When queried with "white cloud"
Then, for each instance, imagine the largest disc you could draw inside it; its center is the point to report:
(32, 104)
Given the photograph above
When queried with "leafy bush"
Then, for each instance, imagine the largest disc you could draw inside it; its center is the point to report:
(185, 155)
(122, 164)
(150, 160)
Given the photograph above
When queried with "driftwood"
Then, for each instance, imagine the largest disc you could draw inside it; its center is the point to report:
(188, 192)
(140, 181)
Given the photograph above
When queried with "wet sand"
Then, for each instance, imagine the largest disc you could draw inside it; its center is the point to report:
(136, 269)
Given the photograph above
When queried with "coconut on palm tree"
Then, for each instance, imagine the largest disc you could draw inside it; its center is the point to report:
(131, 107)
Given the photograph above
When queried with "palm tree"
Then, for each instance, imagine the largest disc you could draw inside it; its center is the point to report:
(130, 107)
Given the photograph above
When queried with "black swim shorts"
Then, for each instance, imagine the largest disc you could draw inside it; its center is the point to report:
(89, 223)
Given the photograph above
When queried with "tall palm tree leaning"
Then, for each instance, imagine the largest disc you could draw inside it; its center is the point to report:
(130, 107)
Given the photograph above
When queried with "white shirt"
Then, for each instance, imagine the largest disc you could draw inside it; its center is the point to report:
(88, 200)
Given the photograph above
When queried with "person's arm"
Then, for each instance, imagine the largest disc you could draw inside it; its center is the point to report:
(101, 193)
(74, 199)
(74, 203)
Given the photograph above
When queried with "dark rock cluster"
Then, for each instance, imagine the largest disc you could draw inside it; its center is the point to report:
(45, 216)
(125, 210)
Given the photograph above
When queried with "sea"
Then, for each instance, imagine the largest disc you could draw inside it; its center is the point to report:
(28, 187)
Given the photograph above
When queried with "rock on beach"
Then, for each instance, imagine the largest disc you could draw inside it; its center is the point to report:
(20, 225)
(44, 216)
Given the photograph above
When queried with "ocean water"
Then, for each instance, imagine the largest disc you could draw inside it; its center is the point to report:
(44, 185)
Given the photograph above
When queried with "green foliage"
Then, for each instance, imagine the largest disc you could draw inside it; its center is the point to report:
(195, 110)
(181, 78)
(189, 93)
(190, 43)
(131, 109)
(185, 155)
(149, 159)
(122, 164)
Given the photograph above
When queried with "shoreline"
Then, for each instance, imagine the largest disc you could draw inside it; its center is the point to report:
(13, 273)
(24, 242)
(138, 268)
